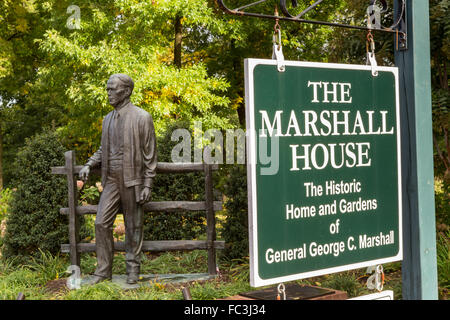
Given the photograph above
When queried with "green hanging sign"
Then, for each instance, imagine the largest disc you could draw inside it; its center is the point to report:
(324, 171)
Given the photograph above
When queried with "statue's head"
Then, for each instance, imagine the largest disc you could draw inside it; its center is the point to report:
(119, 88)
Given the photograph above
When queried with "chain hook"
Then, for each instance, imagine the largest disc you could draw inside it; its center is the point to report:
(376, 281)
(370, 53)
(281, 290)
(370, 42)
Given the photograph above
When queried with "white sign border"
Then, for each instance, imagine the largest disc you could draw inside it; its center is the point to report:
(255, 280)
(383, 295)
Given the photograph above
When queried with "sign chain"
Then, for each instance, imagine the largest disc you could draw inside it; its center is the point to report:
(277, 51)
(370, 50)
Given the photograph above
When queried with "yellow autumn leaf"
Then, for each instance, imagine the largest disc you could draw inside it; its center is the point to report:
(22, 25)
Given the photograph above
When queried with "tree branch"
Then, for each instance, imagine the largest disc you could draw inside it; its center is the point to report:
(441, 156)
(178, 41)
(447, 145)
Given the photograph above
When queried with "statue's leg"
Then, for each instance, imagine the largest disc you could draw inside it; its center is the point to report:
(106, 214)
(133, 217)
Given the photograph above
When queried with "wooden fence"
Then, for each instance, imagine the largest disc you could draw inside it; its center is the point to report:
(74, 248)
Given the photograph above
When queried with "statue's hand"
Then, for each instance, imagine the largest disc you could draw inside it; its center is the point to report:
(145, 195)
(84, 173)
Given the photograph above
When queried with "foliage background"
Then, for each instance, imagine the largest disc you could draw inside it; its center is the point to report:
(175, 187)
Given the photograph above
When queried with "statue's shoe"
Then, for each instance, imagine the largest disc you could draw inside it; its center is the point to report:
(132, 278)
(97, 279)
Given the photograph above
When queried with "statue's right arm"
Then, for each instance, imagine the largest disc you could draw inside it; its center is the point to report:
(92, 162)
(96, 159)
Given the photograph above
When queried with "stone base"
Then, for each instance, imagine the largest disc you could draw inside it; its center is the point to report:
(150, 279)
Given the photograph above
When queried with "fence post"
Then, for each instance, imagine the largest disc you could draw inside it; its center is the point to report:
(74, 236)
(210, 220)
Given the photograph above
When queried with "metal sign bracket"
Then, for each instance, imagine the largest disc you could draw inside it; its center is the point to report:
(399, 27)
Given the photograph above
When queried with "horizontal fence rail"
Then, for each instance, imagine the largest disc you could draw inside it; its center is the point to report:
(75, 247)
(162, 167)
(157, 206)
(164, 245)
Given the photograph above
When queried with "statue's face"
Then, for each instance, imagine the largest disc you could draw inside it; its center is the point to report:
(117, 92)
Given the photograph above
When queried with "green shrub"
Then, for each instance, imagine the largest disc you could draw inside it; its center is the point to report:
(235, 227)
(175, 187)
(34, 222)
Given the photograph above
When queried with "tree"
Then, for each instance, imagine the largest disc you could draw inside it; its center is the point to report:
(51, 74)
(248, 37)
(25, 106)
(134, 38)
(186, 58)
(440, 64)
(348, 46)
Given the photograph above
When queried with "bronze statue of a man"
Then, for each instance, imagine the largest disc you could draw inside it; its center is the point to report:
(127, 156)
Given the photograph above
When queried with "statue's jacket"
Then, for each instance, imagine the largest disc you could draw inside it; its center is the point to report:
(139, 147)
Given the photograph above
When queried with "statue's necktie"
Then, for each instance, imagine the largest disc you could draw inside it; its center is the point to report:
(114, 134)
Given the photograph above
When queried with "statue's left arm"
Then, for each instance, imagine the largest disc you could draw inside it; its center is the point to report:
(149, 155)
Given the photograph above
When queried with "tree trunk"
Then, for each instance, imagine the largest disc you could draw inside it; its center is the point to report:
(178, 41)
(447, 145)
(237, 70)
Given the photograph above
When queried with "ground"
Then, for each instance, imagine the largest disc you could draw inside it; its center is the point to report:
(233, 280)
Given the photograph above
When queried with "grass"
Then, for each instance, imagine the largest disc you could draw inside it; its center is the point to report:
(33, 279)
(37, 278)
(15, 279)
(443, 262)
